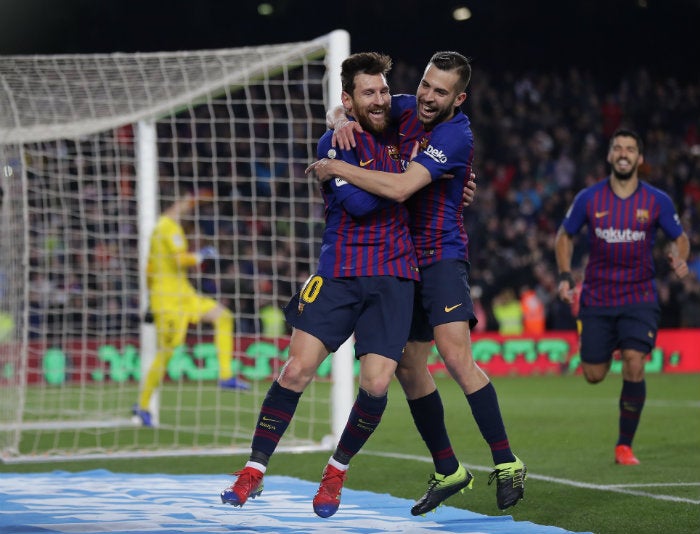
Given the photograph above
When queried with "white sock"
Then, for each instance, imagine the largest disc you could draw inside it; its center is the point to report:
(255, 465)
(335, 463)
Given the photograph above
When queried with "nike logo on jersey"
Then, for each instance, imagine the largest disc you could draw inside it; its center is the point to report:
(448, 309)
(599, 214)
(365, 163)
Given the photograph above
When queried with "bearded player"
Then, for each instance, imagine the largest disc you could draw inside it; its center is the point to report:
(619, 307)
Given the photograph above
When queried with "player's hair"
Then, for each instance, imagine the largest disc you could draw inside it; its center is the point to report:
(448, 60)
(626, 132)
(362, 63)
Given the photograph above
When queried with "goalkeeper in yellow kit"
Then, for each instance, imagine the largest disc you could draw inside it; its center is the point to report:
(175, 304)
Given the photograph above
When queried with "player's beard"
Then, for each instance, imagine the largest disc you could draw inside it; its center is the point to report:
(441, 116)
(372, 126)
(624, 176)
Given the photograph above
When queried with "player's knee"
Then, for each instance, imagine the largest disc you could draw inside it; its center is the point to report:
(295, 375)
(376, 386)
(593, 377)
(225, 320)
(409, 373)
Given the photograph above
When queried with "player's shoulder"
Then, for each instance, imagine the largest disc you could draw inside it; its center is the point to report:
(403, 99)
(597, 187)
(325, 143)
(653, 190)
(584, 196)
(166, 224)
(457, 127)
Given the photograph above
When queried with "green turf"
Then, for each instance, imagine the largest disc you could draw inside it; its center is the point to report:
(563, 428)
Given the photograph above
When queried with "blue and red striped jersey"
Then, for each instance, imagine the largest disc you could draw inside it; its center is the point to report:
(365, 235)
(621, 236)
(437, 222)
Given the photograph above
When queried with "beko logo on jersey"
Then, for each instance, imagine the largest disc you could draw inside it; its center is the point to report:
(614, 235)
(436, 154)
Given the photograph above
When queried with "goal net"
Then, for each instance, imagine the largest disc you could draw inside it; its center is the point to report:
(92, 147)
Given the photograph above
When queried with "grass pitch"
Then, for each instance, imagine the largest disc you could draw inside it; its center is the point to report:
(562, 428)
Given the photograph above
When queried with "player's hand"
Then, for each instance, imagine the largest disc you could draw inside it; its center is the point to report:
(566, 287)
(208, 253)
(344, 134)
(320, 170)
(679, 266)
(469, 191)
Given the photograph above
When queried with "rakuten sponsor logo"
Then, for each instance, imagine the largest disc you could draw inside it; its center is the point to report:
(615, 235)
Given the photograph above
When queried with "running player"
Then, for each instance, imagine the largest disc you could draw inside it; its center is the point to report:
(619, 306)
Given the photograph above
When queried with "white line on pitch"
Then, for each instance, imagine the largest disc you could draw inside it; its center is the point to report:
(564, 481)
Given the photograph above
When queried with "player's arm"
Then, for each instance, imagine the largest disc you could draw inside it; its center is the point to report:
(563, 250)
(469, 191)
(343, 128)
(396, 186)
(670, 223)
(186, 259)
(355, 201)
(678, 255)
(177, 245)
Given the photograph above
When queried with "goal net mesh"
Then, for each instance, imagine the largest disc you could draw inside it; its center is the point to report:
(242, 122)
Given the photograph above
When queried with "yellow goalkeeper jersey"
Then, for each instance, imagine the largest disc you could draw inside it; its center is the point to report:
(168, 262)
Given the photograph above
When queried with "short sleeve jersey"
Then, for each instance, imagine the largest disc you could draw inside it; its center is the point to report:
(621, 236)
(365, 235)
(437, 223)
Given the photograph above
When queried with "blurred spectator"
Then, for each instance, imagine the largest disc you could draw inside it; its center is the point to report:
(539, 138)
(508, 313)
(534, 318)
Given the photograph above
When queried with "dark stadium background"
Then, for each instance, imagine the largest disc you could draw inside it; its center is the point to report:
(608, 36)
(552, 79)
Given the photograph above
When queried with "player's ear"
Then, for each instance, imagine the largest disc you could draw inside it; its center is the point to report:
(461, 97)
(346, 100)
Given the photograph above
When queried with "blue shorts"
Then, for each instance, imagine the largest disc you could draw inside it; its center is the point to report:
(377, 309)
(604, 329)
(442, 296)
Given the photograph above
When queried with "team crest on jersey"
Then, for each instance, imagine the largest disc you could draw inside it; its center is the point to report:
(642, 216)
(393, 152)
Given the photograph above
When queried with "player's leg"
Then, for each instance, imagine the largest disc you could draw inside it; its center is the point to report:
(635, 326)
(597, 342)
(306, 353)
(320, 326)
(210, 311)
(171, 329)
(381, 331)
(447, 300)
(428, 415)
(632, 399)
(509, 472)
(376, 372)
(424, 399)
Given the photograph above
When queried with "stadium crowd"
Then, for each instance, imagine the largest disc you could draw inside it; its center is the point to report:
(539, 138)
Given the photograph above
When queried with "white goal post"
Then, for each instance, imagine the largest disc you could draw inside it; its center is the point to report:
(92, 147)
